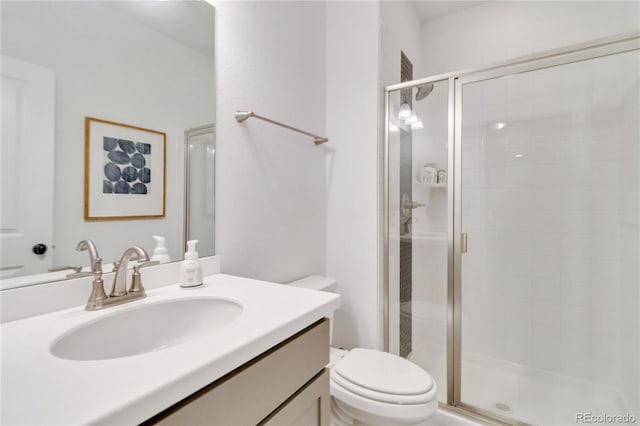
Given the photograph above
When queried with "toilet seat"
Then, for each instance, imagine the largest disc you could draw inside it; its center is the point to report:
(383, 384)
(383, 377)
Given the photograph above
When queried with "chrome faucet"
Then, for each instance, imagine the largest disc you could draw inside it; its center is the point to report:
(119, 294)
(119, 288)
(96, 261)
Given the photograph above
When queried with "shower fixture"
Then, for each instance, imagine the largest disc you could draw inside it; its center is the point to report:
(423, 91)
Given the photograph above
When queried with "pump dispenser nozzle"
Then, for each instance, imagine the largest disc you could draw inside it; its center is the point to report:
(160, 252)
(191, 253)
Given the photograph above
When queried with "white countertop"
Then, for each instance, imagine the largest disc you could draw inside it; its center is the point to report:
(41, 389)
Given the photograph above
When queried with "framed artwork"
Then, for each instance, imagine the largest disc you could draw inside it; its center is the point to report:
(124, 171)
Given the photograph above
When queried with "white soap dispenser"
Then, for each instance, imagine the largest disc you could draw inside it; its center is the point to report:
(160, 253)
(190, 270)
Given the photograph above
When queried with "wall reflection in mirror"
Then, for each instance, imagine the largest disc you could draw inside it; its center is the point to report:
(145, 63)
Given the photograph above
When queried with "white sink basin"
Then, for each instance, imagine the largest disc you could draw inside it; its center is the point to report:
(146, 328)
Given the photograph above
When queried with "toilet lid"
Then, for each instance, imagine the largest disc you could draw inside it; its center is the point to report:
(383, 373)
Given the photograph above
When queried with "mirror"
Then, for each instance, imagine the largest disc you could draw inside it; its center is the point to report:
(200, 150)
(147, 64)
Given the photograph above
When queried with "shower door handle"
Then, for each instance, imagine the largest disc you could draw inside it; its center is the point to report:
(463, 242)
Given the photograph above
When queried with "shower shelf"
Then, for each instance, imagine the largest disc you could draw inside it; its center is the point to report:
(432, 185)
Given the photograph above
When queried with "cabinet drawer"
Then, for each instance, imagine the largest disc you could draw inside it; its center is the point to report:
(310, 406)
(250, 393)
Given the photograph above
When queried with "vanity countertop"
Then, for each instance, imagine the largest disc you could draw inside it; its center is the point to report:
(39, 388)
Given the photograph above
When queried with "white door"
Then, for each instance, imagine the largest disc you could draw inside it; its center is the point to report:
(26, 158)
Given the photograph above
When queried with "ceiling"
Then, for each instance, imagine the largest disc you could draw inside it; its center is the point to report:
(428, 10)
(188, 22)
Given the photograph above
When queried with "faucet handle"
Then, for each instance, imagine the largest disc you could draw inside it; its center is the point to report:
(98, 297)
(96, 266)
(137, 267)
(136, 278)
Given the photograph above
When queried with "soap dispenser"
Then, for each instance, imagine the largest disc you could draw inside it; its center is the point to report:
(160, 253)
(190, 270)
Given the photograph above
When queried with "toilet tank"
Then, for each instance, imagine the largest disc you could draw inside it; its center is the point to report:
(316, 282)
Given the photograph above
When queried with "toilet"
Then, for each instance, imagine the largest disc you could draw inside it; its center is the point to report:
(370, 387)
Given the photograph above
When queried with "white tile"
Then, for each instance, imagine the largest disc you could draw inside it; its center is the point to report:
(604, 370)
(575, 355)
(605, 247)
(605, 295)
(577, 221)
(546, 313)
(546, 289)
(605, 346)
(547, 243)
(506, 220)
(510, 198)
(547, 221)
(577, 245)
(576, 268)
(518, 341)
(604, 196)
(548, 198)
(507, 242)
(576, 293)
(577, 199)
(576, 323)
(605, 323)
(546, 351)
(473, 178)
(473, 159)
(546, 266)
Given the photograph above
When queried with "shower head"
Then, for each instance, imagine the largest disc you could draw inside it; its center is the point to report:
(424, 91)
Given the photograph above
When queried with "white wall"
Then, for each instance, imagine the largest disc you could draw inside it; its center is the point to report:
(352, 97)
(401, 30)
(270, 182)
(502, 30)
(91, 52)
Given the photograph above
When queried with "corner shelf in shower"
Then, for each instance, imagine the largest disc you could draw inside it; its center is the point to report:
(431, 185)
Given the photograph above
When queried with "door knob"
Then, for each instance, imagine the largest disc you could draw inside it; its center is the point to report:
(39, 249)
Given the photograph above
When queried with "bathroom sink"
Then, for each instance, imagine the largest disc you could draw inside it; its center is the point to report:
(146, 328)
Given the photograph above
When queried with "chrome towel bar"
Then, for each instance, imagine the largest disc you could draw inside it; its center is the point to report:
(244, 115)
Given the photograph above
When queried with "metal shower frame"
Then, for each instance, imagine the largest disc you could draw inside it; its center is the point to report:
(456, 80)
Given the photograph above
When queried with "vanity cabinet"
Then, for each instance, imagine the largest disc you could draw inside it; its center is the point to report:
(286, 385)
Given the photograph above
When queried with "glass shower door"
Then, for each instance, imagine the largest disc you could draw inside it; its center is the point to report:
(549, 283)
(418, 133)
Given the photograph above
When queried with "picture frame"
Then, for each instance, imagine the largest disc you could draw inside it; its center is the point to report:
(124, 171)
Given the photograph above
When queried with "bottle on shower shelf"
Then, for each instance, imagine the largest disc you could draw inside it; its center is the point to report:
(429, 174)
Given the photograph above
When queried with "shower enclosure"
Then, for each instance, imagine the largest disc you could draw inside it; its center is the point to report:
(522, 222)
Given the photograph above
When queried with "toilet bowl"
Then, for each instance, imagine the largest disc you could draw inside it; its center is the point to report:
(370, 387)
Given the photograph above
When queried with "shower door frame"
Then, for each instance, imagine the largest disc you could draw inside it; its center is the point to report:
(576, 53)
